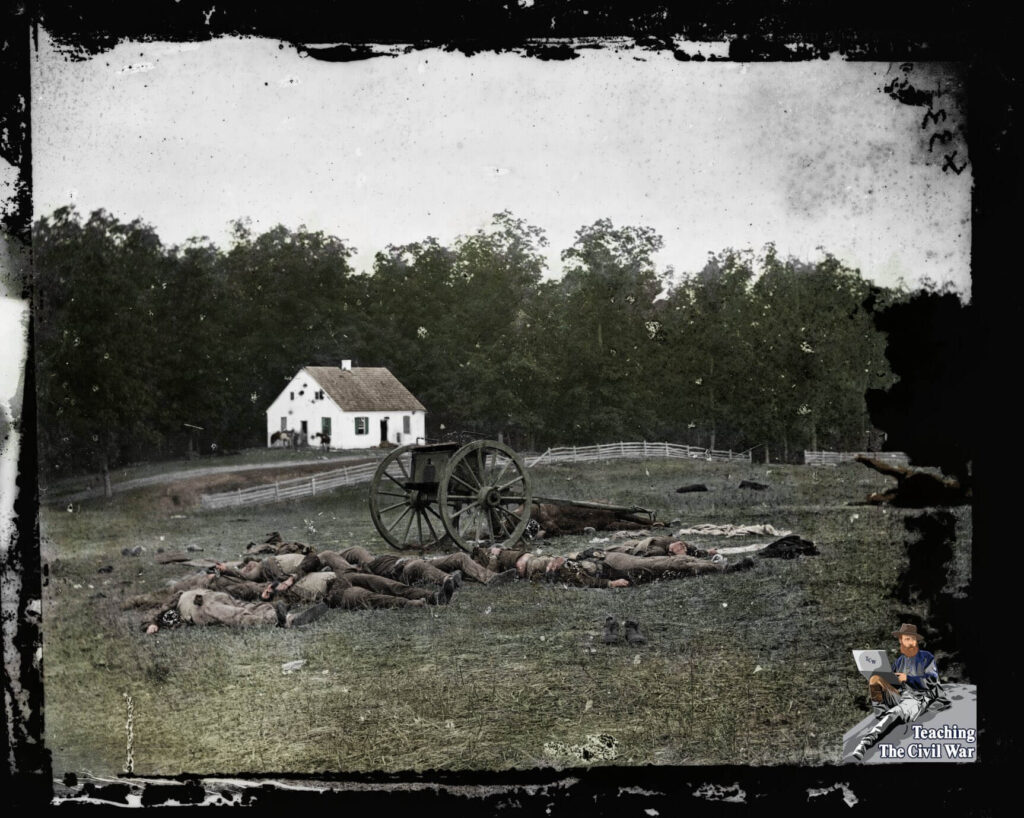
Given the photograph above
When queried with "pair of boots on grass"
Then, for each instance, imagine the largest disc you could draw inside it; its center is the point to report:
(632, 629)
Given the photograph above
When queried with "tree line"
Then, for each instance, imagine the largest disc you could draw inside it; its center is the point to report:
(134, 338)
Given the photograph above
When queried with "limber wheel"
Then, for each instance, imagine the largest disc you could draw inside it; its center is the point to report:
(404, 513)
(484, 495)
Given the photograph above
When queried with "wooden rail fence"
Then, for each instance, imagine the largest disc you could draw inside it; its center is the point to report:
(835, 458)
(637, 451)
(291, 489)
(354, 475)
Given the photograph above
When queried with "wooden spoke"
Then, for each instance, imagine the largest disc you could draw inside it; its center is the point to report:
(510, 514)
(389, 495)
(502, 472)
(463, 510)
(511, 483)
(467, 472)
(426, 517)
(400, 518)
(497, 468)
(501, 521)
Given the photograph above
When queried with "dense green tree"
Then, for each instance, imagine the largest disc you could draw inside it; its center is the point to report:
(135, 340)
(712, 340)
(606, 334)
(97, 337)
(821, 352)
(286, 304)
(195, 373)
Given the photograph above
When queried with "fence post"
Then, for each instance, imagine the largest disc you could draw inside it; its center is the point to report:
(312, 482)
(277, 490)
(666, 448)
(238, 497)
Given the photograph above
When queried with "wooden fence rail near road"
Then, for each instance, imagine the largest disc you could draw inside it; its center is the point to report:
(835, 458)
(291, 489)
(636, 451)
(325, 481)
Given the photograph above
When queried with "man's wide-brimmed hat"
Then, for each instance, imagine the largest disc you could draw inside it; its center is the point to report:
(908, 630)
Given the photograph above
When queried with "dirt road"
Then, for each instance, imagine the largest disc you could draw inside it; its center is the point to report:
(187, 474)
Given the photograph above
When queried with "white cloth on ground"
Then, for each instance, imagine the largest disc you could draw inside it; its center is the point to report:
(742, 549)
(712, 530)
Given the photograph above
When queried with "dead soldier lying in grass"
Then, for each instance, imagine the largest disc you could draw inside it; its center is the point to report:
(505, 676)
(232, 594)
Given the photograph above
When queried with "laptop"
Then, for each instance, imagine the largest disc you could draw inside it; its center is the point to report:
(875, 663)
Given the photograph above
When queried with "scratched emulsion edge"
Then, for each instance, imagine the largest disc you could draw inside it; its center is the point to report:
(27, 774)
(523, 27)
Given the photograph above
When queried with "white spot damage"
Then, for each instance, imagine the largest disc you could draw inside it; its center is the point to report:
(13, 325)
(848, 797)
(732, 794)
(601, 747)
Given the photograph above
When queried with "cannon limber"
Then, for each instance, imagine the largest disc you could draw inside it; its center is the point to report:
(479, 493)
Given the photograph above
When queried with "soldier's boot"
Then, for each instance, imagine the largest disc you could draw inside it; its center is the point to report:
(874, 734)
(633, 635)
(447, 591)
(611, 631)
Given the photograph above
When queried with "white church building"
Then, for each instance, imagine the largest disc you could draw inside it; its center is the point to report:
(356, 407)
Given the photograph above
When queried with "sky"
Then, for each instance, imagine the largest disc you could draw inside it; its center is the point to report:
(712, 155)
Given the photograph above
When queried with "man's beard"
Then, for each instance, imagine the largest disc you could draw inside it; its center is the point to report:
(909, 652)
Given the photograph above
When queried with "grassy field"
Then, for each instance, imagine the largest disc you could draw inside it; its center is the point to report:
(748, 668)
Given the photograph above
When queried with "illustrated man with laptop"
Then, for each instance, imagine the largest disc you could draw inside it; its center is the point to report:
(902, 692)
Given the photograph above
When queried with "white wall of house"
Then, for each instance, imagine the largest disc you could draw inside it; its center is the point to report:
(351, 423)
(300, 402)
